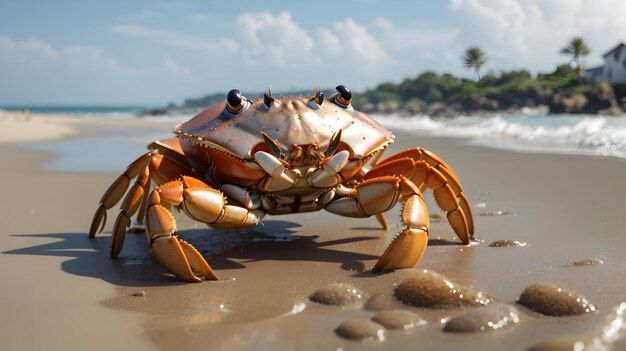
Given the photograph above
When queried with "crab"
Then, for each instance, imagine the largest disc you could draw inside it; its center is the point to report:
(240, 160)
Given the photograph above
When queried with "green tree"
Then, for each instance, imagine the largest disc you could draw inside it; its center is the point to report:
(577, 48)
(475, 59)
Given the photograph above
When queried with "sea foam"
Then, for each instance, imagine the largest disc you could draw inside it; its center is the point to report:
(529, 131)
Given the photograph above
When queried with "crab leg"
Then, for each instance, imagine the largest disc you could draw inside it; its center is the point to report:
(160, 168)
(141, 215)
(377, 195)
(130, 205)
(115, 192)
(425, 169)
(202, 203)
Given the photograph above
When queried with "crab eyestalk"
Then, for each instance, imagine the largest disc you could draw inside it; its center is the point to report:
(343, 97)
(318, 98)
(235, 102)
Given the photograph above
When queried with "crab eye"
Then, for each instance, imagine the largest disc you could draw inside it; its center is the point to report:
(235, 102)
(343, 97)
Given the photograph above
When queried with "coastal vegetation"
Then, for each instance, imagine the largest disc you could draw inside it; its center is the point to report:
(561, 91)
(474, 59)
(577, 48)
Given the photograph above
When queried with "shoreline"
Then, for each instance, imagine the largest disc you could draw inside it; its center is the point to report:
(529, 131)
(72, 285)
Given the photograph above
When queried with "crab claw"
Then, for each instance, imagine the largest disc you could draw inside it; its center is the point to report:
(404, 251)
(169, 252)
(327, 175)
(408, 247)
(180, 258)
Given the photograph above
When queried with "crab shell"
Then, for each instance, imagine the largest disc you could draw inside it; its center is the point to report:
(219, 136)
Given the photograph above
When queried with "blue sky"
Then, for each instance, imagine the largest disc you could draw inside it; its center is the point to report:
(155, 52)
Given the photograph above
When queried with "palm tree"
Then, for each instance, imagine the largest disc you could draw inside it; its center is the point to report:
(474, 58)
(577, 48)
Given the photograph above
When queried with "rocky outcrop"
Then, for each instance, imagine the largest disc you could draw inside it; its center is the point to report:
(600, 99)
(574, 103)
(483, 103)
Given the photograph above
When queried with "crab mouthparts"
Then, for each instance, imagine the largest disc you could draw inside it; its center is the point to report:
(299, 155)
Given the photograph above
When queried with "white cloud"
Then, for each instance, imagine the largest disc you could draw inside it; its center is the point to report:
(276, 48)
(266, 48)
(415, 49)
(35, 54)
(175, 68)
(273, 40)
(174, 39)
(351, 42)
(26, 52)
(382, 23)
(529, 33)
(35, 71)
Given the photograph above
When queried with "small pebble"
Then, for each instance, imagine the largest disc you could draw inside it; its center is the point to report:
(586, 262)
(508, 243)
(398, 319)
(338, 294)
(490, 318)
(139, 293)
(424, 288)
(496, 213)
(552, 300)
(435, 217)
(361, 329)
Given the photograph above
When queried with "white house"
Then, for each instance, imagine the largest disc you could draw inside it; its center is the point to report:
(613, 70)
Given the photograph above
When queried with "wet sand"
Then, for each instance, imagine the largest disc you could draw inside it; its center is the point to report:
(62, 291)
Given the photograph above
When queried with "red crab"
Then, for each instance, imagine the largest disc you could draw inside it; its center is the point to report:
(234, 163)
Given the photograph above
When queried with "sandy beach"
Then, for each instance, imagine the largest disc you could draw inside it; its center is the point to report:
(62, 291)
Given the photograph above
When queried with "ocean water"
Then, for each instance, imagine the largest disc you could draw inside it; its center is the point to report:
(88, 110)
(525, 131)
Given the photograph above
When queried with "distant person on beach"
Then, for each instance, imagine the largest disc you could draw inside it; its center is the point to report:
(25, 114)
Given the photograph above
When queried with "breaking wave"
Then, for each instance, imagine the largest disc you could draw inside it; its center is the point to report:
(525, 131)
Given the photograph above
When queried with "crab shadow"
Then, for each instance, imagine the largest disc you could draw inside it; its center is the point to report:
(223, 249)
